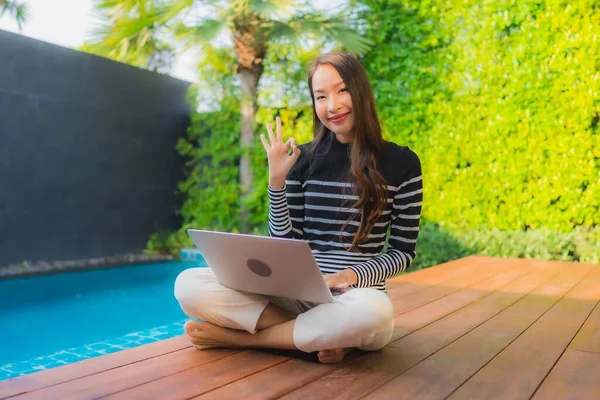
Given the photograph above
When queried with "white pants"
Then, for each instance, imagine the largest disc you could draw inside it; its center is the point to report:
(359, 318)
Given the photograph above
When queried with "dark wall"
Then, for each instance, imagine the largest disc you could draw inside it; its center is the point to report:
(88, 165)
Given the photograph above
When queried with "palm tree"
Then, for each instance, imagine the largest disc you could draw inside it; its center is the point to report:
(18, 10)
(249, 26)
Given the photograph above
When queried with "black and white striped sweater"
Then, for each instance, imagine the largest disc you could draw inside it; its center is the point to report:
(316, 202)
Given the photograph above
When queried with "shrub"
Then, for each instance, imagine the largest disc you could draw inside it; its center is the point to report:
(501, 101)
(437, 245)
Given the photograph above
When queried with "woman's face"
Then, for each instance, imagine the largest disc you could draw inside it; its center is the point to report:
(333, 102)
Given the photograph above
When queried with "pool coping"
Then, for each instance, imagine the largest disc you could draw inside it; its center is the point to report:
(28, 268)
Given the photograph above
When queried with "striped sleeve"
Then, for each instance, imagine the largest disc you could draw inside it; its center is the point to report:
(404, 230)
(286, 209)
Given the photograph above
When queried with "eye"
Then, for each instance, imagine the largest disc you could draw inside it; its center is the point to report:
(320, 97)
(343, 90)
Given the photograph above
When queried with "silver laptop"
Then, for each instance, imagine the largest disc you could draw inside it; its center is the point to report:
(263, 265)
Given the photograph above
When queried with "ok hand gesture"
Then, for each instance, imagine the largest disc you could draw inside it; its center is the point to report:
(280, 162)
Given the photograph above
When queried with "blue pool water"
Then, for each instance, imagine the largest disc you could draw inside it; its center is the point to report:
(51, 320)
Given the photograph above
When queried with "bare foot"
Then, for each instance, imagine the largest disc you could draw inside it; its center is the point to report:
(332, 356)
(205, 335)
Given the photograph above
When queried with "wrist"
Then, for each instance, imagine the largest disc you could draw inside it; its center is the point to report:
(350, 276)
(276, 183)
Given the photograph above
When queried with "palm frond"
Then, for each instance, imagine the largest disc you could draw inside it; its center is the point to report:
(132, 31)
(19, 11)
(274, 9)
(203, 32)
(316, 25)
(175, 7)
(351, 40)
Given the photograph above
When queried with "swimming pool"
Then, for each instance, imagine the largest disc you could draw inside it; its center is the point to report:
(51, 320)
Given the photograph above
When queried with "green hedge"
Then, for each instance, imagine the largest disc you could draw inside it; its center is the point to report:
(501, 101)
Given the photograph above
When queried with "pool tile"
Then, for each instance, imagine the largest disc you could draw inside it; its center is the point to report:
(5, 374)
(91, 350)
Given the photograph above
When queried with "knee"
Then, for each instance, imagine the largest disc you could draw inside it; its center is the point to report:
(191, 287)
(374, 307)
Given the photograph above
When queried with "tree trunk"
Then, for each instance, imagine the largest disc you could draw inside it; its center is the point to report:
(249, 106)
(250, 45)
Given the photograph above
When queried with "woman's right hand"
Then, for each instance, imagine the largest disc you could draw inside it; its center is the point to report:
(280, 162)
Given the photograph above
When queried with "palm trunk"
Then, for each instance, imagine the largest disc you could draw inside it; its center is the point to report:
(249, 106)
(250, 45)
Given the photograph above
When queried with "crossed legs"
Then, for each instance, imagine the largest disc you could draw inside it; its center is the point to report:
(359, 318)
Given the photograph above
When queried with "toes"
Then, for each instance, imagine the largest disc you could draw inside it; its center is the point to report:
(331, 356)
(191, 325)
(205, 346)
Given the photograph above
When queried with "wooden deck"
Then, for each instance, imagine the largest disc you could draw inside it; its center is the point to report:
(475, 328)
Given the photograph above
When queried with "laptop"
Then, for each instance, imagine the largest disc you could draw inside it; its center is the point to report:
(263, 265)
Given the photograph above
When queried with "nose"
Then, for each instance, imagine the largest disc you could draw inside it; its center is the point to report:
(333, 104)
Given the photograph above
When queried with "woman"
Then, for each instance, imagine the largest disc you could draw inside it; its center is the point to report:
(340, 193)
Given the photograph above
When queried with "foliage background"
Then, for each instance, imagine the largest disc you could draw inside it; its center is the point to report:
(499, 99)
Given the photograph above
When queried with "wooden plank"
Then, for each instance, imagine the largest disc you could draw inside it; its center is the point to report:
(542, 283)
(575, 376)
(36, 381)
(366, 374)
(430, 294)
(518, 370)
(418, 280)
(204, 378)
(440, 374)
(275, 381)
(436, 270)
(443, 372)
(422, 316)
(588, 338)
(436, 293)
(418, 318)
(421, 281)
(122, 378)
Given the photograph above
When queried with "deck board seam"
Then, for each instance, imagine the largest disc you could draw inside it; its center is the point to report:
(175, 373)
(339, 366)
(94, 373)
(566, 348)
(522, 332)
(237, 379)
(486, 320)
(449, 343)
(582, 325)
(452, 276)
(459, 288)
(475, 327)
(467, 305)
(428, 286)
(468, 287)
(584, 351)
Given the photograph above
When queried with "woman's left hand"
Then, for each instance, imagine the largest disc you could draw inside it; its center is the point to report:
(341, 280)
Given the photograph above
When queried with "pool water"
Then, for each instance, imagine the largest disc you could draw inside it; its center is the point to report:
(50, 320)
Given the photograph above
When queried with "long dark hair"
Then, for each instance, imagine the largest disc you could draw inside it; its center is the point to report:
(367, 181)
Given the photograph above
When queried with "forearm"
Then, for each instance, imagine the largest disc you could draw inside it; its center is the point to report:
(280, 224)
(286, 210)
(382, 267)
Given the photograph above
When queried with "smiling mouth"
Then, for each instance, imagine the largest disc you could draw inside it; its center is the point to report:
(339, 118)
